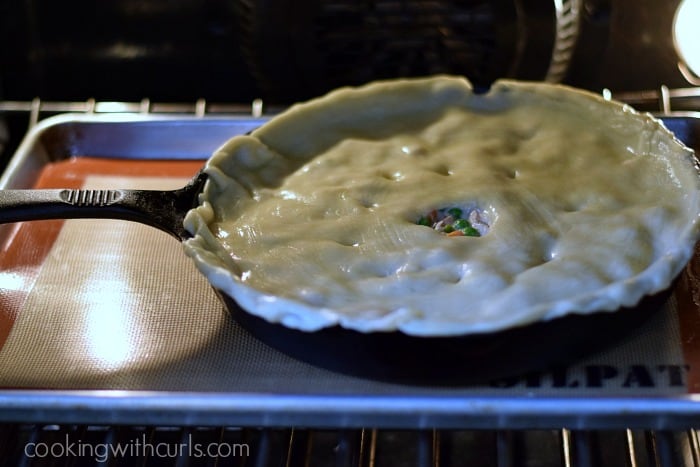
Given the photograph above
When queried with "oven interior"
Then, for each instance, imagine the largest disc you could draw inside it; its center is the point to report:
(245, 57)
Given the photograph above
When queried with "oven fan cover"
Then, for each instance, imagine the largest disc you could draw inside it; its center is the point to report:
(298, 49)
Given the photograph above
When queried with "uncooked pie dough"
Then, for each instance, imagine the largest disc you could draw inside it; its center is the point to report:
(314, 219)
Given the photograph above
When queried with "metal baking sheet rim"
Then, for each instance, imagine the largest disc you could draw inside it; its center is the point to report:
(106, 407)
(32, 139)
(341, 411)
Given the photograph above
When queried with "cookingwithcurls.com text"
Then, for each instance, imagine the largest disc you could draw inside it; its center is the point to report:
(139, 447)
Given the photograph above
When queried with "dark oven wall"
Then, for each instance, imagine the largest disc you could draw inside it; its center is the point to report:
(121, 50)
(285, 50)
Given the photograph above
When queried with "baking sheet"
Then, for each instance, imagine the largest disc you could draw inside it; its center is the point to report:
(109, 316)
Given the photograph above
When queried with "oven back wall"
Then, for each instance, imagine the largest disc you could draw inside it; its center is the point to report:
(177, 50)
(183, 50)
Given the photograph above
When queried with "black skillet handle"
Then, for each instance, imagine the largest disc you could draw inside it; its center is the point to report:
(164, 210)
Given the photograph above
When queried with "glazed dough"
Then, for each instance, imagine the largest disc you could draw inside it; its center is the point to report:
(311, 221)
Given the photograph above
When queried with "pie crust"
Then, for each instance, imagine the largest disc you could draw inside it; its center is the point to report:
(311, 221)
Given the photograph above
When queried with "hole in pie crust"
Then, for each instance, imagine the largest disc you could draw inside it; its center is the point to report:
(393, 176)
(368, 203)
(442, 170)
(457, 221)
(511, 173)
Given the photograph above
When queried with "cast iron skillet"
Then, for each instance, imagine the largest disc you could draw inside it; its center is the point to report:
(389, 356)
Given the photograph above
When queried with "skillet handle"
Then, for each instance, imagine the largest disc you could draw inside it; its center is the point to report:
(164, 210)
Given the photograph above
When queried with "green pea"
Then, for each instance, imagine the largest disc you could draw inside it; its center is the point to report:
(448, 229)
(462, 224)
(471, 232)
(455, 212)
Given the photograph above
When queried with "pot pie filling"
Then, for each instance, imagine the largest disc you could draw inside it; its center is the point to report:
(343, 210)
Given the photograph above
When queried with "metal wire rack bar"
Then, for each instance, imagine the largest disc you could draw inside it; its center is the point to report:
(664, 99)
(37, 107)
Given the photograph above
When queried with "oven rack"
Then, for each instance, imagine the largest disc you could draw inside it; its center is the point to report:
(25, 444)
(36, 109)
(664, 100)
